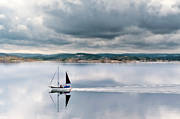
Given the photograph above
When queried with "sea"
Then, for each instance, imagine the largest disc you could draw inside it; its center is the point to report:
(99, 91)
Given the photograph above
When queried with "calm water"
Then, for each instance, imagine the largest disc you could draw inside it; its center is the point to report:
(101, 91)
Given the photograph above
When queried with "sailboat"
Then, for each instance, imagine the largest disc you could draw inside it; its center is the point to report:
(60, 89)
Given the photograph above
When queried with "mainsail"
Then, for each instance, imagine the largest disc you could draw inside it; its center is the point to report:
(67, 79)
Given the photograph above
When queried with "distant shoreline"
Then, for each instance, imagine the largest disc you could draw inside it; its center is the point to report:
(21, 60)
(88, 58)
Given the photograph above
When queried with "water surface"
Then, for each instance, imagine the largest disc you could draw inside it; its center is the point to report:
(101, 91)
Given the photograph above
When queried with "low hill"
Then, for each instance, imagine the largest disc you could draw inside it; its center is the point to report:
(85, 57)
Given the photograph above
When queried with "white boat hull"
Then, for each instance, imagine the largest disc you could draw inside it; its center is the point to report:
(60, 90)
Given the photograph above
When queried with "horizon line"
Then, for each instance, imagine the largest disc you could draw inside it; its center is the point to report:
(82, 53)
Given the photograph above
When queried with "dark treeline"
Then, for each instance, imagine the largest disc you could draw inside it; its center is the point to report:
(85, 56)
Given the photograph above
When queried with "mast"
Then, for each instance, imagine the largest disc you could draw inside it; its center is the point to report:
(58, 77)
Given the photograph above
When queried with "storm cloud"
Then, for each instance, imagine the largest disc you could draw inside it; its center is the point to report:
(117, 26)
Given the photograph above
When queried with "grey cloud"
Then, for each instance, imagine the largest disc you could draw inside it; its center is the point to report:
(135, 41)
(148, 42)
(90, 20)
(25, 33)
(161, 24)
(95, 19)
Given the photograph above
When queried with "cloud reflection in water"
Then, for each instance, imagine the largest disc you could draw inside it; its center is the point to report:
(24, 91)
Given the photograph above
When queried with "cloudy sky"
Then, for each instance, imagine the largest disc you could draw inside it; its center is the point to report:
(93, 26)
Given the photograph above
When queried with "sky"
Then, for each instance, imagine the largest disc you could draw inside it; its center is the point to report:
(90, 26)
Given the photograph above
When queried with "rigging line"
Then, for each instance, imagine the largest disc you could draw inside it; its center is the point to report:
(53, 78)
(52, 99)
